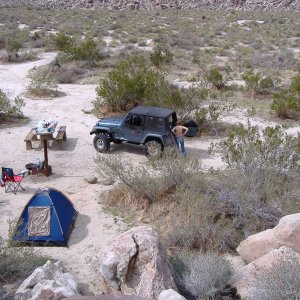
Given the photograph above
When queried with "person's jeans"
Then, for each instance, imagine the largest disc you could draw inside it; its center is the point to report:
(180, 141)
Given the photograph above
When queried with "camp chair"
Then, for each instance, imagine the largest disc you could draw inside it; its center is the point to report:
(11, 181)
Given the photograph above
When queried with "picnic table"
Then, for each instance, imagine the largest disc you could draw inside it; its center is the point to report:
(45, 135)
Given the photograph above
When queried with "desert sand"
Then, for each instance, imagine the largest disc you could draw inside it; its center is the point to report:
(94, 228)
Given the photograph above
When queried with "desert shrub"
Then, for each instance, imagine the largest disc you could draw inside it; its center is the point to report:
(140, 180)
(17, 263)
(86, 50)
(262, 170)
(133, 82)
(256, 83)
(281, 281)
(12, 46)
(272, 147)
(64, 75)
(42, 85)
(287, 101)
(10, 107)
(63, 42)
(161, 55)
(196, 222)
(284, 103)
(206, 274)
(219, 78)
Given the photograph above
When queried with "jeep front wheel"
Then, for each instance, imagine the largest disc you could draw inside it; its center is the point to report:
(101, 142)
(153, 148)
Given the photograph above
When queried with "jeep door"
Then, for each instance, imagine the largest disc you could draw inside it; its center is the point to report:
(133, 128)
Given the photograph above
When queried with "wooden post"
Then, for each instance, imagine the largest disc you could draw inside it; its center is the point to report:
(45, 153)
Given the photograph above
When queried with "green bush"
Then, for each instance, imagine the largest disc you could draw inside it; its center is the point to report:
(12, 47)
(161, 55)
(287, 101)
(63, 42)
(10, 108)
(86, 50)
(219, 78)
(272, 147)
(262, 170)
(133, 82)
(256, 83)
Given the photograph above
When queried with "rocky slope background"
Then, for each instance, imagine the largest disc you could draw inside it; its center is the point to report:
(162, 4)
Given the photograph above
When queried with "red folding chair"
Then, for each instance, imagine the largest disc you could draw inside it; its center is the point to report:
(11, 181)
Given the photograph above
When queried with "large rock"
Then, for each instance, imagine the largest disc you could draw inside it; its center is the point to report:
(135, 264)
(244, 279)
(48, 282)
(108, 297)
(286, 233)
(170, 295)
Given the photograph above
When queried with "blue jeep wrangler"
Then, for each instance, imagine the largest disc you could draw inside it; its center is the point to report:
(149, 126)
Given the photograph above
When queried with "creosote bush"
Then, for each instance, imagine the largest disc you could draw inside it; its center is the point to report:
(86, 50)
(218, 78)
(133, 82)
(161, 55)
(9, 107)
(287, 101)
(263, 169)
(257, 84)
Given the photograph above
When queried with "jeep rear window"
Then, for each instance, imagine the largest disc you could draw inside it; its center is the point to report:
(154, 124)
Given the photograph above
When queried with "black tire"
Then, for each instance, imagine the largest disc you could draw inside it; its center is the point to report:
(153, 148)
(101, 142)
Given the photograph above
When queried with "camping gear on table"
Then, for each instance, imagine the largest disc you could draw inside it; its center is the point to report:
(48, 218)
(10, 181)
(46, 126)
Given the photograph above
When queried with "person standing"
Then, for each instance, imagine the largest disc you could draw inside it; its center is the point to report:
(179, 132)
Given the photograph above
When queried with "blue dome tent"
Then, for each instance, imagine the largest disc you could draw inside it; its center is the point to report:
(48, 218)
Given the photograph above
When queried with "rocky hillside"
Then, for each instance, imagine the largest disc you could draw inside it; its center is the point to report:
(163, 4)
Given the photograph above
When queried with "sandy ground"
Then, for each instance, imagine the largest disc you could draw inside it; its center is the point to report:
(93, 228)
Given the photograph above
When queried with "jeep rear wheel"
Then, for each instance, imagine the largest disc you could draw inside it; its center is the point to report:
(153, 148)
(101, 142)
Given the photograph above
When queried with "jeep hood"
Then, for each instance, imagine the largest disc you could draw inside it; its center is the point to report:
(110, 121)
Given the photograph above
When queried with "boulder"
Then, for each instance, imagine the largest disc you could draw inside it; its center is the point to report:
(135, 264)
(257, 245)
(244, 279)
(91, 179)
(170, 295)
(47, 282)
(286, 233)
(108, 297)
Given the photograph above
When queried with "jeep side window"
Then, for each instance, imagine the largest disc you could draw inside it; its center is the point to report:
(134, 120)
(154, 123)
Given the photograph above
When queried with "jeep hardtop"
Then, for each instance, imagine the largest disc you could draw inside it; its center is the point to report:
(146, 125)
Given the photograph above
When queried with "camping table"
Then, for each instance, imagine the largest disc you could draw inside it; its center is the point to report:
(45, 136)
